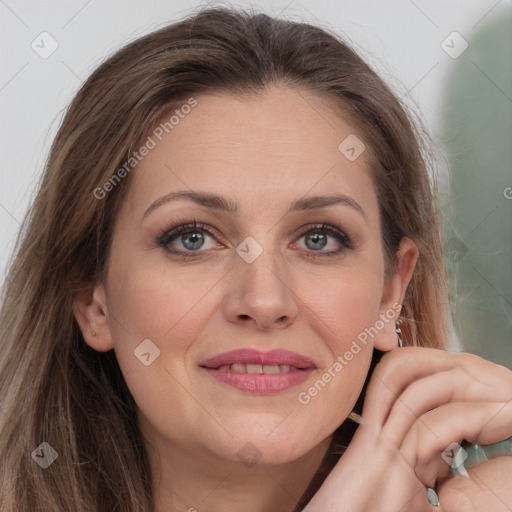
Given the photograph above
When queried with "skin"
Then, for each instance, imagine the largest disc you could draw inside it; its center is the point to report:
(261, 153)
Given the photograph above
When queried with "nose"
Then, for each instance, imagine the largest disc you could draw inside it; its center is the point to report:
(261, 294)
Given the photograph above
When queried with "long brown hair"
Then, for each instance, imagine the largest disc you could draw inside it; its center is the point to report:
(54, 388)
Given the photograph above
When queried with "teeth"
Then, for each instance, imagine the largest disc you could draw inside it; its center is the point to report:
(267, 369)
(254, 368)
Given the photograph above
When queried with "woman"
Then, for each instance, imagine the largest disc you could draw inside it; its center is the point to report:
(235, 223)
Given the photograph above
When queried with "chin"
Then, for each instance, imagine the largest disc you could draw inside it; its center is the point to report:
(260, 448)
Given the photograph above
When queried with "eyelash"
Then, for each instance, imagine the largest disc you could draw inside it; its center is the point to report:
(170, 233)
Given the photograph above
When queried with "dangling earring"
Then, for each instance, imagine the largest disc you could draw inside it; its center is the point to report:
(398, 331)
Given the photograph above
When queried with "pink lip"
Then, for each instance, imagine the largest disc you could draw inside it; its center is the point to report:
(260, 383)
(251, 356)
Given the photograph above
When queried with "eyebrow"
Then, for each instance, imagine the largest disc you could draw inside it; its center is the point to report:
(216, 202)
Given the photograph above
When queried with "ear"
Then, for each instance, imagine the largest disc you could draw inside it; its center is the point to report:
(90, 310)
(394, 292)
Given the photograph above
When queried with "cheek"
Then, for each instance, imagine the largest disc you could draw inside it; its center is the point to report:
(342, 304)
(343, 315)
(149, 302)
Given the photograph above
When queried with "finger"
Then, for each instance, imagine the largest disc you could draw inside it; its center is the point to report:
(402, 366)
(394, 371)
(435, 431)
(433, 391)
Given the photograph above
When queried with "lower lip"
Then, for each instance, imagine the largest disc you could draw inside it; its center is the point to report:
(260, 382)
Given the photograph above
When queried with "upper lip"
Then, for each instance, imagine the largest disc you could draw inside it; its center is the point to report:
(252, 356)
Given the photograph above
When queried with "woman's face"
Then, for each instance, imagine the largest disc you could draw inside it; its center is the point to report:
(266, 277)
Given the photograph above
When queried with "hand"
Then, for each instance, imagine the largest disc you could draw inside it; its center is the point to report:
(419, 401)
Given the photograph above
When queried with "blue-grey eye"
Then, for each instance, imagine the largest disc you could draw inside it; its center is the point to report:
(319, 241)
(187, 238)
(192, 241)
(324, 240)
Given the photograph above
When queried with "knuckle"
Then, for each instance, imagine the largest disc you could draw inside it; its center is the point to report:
(469, 363)
(470, 359)
(388, 364)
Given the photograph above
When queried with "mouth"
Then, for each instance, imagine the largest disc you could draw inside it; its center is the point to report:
(259, 372)
(253, 368)
(255, 361)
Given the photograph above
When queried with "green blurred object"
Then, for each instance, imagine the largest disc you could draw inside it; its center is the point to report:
(469, 455)
(477, 138)
(478, 453)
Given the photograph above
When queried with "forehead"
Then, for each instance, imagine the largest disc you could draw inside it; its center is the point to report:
(259, 147)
